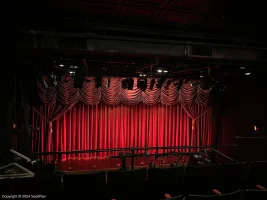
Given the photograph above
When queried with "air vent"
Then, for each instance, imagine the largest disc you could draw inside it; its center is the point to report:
(201, 51)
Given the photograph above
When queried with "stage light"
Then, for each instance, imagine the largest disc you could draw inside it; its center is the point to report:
(45, 84)
(142, 84)
(61, 65)
(168, 84)
(159, 71)
(179, 84)
(98, 82)
(130, 83)
(160, 82)
(124, 83)
(247, 73)
(194, 84)
(165, 71)
(72, 72)
(108, 82)
(152, 83)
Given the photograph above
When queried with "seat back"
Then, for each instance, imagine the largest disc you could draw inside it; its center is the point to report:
(179, 197)
(200, 179)
(228, 196)
(166, 180)
(49, 185)
(127, 184)
(26, 186)
(255, 195)
(6, 186)
(257, 174)
(87, 184)
(230, 177)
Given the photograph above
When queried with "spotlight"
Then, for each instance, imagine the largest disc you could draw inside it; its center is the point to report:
(179, 84)
(168, 84)
(45, 84)
(194, 84)
(142, 84)
(108, 82)
(247, 73)
(152, 83)
(61, 65)
(124, 83)
(130, 83)
(165, 71)
(98, 82)
(160, 82)
(159, 71)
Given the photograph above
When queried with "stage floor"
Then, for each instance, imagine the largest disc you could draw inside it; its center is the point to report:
(94, 164)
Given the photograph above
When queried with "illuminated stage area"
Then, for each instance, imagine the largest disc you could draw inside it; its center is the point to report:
(81, 166)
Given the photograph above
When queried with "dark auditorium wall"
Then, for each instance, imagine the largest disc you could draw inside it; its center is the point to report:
(243, 107)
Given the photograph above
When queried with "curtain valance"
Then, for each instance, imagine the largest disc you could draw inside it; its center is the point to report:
(113, 94)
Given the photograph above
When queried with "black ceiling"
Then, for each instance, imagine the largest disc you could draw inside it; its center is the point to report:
(240, 18)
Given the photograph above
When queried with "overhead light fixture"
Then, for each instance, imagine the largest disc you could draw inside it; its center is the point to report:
(108, 82)
(72, 72)
(98, 82)
(130, 83)
(165, 71)
(142, 84)
(159, 70)
(248, 73)
(152, 83)
(179, 84)
(124, 83)
(168, 84)
(61, 65)
(160, 82)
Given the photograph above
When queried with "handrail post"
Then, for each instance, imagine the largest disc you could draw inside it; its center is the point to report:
(132, 159)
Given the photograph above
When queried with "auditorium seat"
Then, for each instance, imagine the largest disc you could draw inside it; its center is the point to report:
(257, 175)
(127, 184)
(178, 197)
(230, 177)
(254, 195)
(85, 185)
(227, 196)
(49, 185)
(26, 186)
(165, 180)
(6, 186)
(200, 179)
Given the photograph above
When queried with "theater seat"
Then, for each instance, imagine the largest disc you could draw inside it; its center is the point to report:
(165, 180)
(6, 186)
(227, 196)
(128, 184)
(49, 185)
(85, 185)
(200, 179)
(168, 197)
(26, 186)
(255, 195)
(257, 175)
(230, 177)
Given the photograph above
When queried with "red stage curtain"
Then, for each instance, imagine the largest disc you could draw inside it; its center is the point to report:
(87, 127)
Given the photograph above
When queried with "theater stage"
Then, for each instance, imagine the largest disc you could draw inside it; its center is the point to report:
(94, 164)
